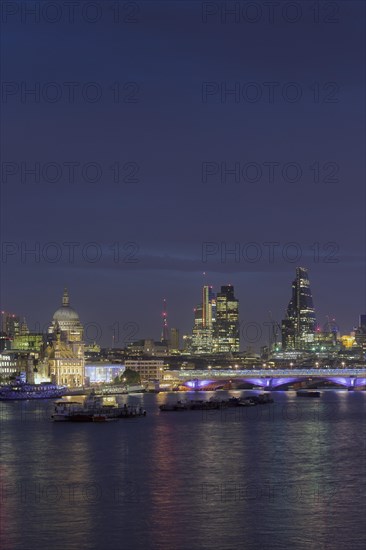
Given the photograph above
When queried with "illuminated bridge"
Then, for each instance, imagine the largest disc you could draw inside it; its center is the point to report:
(272, 379)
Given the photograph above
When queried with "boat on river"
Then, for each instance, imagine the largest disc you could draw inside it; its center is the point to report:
(93, 410)
(20, 391)
(137, 388)
(214, 403)
(261, 399)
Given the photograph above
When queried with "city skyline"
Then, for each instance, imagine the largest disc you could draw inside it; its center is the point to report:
(183, 250)
(104, 334)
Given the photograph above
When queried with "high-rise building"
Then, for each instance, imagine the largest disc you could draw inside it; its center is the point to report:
(198, 321)
(208, 307)
(362, 324)
(299, 326)
(226, 326)
(174, 339)
(12, 325)
(204, 319)
(360, 335)
(216, 322)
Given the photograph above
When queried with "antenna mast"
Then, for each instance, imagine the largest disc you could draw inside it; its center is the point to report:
(165, 330)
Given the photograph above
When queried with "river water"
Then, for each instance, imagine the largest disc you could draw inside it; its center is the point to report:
(287, 475)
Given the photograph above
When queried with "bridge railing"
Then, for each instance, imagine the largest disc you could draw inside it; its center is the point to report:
(261, 373)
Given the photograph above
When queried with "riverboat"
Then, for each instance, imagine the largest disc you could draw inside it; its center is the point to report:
(137, 388)
(22, 391)
(93, 410)
(214, 403)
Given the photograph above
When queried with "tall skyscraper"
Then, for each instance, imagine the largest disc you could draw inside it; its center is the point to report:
(360, 334)
(226, 327)
(299, 326)
(204, 319)
(174, 344)
(362, 324)
(216, 322)
(208, 307)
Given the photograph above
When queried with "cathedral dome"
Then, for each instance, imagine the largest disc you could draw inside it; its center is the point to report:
(65, 314)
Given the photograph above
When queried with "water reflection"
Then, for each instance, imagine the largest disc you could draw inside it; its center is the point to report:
(289, 474)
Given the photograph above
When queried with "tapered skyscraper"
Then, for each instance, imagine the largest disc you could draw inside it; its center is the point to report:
(299, 326)
(208, 307)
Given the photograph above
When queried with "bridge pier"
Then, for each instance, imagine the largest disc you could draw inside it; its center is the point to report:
(268, 383)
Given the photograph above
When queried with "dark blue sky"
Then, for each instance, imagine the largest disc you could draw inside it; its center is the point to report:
(161, 130)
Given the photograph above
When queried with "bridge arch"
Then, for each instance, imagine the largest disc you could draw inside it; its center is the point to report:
(271, 382)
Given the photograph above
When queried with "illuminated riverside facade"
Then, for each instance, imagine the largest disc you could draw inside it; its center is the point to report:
(65, 352)
(8, 366)
(147, 369)
(104, 373)
(299, 326)
(57, 357)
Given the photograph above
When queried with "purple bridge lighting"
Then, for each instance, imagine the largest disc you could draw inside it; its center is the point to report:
(198, 384)
(341, 378)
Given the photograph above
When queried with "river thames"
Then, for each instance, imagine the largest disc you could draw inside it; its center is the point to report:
(286, 475)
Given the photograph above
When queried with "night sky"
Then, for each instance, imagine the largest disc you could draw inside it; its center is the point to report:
(160, 70)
